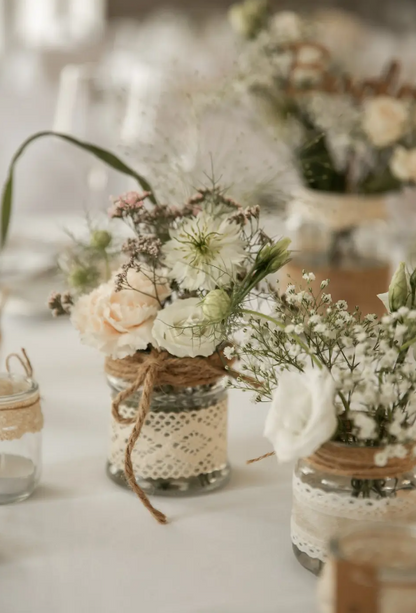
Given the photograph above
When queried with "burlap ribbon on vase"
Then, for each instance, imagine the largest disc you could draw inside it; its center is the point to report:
(154, 369)
(19, 416)
(358, 462)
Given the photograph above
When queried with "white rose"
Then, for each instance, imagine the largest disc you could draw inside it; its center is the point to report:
(302, 415)
(119, 323)
(403, 164)
(287, 27)
(180, 329)
(384, 120)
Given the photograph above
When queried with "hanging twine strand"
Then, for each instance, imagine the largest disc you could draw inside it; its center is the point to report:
(155, 369)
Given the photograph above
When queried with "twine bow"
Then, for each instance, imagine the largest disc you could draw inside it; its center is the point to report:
(146, 371)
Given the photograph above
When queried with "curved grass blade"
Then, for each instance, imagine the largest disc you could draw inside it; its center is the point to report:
(102, 154)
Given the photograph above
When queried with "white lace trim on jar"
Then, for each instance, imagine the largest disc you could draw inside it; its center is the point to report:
(318, 515)
(174, 445)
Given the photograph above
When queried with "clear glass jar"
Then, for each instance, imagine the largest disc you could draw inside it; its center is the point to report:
(344, 238)
(182, 448)
(371, 568)
(21, 424)
(324, 504)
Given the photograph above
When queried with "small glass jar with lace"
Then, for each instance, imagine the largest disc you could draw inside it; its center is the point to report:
(182, 447)
(21, 423)
(326, 499)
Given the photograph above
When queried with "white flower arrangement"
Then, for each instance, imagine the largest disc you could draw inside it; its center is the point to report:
(346, 136)
(186, 272)
(332, 375)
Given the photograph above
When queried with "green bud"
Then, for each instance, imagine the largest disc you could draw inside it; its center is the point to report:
(249, 17)
(272, 257)
(399, 291)
(100, 239)
(81, 277)
(216, 305)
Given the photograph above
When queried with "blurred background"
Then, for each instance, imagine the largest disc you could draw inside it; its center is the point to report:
(137, 76)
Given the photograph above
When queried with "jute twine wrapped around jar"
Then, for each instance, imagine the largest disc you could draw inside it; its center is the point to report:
(19, 416)
(358, 462)
(355, 462)
(149, 371)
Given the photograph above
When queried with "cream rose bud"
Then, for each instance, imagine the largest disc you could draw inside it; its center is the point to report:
(181, 329)
(302, 415)
(216, 305)
(119, 323)
(403, 164)
(384, 120)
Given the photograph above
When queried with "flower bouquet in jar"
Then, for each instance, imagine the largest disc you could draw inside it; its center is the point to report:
(343, 405)
(160, 321)
(353, 143)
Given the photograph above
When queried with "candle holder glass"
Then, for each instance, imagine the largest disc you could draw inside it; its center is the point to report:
(21, 423)
(370, 568)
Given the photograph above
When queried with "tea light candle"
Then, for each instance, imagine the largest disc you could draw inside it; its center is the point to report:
(17, 475)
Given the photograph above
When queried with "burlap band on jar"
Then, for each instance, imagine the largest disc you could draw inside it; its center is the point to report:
(359, 462)
(18, 417)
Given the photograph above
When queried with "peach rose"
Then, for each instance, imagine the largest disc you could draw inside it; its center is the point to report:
(119, 323)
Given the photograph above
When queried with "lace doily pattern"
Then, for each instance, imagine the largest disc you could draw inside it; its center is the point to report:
(174, 445)
(16, 420)
(318, 515)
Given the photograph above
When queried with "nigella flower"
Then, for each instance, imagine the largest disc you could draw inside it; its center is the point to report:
(204, 252)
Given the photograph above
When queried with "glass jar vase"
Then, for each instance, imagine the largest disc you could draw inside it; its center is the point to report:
(344, 238)
(182, 448)
(372, 568)
(21, 423)
(324, 504)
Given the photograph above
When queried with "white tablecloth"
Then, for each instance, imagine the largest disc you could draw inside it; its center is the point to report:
(83, 544)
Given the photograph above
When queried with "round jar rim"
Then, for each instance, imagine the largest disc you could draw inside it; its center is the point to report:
(31, 389)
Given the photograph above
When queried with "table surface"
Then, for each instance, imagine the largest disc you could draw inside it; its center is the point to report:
(82, 543)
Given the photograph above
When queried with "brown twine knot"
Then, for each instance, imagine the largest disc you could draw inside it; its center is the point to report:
(149, 370)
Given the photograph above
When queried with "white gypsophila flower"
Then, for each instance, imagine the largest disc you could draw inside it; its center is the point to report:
(120, 323)
(341, 305)
(384, 120)
(324, 283)
(403, 164)
(381, 458)
(181, 329)
(302, 416)
(308, 276)
(229, 352)
(366, 425)
(204, 253)
(387, 393)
